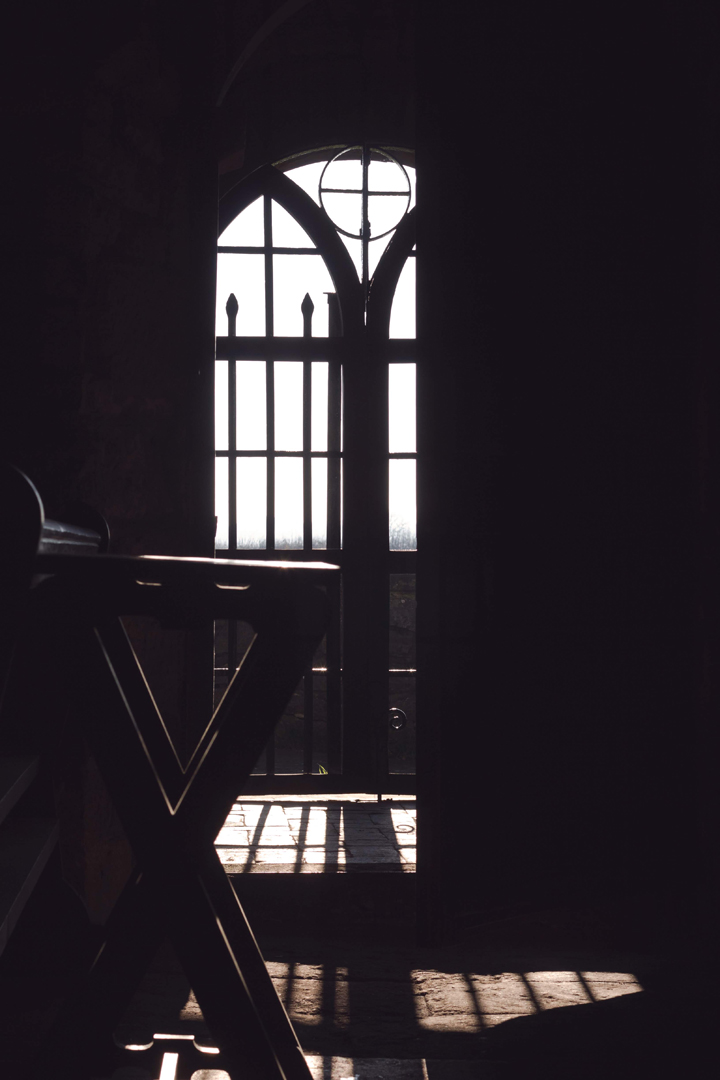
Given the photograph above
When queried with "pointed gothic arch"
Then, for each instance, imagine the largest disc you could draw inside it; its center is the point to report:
(270, 182)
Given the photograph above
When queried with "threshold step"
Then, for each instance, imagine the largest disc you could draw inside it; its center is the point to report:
(318, 902)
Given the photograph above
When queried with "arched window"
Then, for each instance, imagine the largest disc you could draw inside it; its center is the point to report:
(315, 444)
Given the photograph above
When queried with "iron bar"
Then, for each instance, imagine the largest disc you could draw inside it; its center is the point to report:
(270, 421)
(334, 630)
(269, 377)
(395, 350)
(269, 292)
(307, 312)
(232, 310)
(248, 249)
(308, 722)
(356, 191)
(334, 430)
(365, 224)
(285, 453)
(334, 679)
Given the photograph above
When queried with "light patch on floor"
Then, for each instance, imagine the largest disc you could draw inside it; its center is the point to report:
(310, 835)
(444, 1001)
(469, 1002)
(604, 985)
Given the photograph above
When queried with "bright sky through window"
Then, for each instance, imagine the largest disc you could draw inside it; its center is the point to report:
(295, 274)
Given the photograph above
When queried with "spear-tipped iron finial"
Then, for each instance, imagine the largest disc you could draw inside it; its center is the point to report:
(231, 309)
(307, 307)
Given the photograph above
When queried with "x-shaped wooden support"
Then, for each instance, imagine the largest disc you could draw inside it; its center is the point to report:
(172, 815)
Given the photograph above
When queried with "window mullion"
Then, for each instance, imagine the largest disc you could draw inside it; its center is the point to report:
(269, 377)
(232, 636)
(334, 445)
(365, 224)
(232, 459)
(307, 461)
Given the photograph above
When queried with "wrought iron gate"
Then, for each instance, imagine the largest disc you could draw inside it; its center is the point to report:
(312, 439)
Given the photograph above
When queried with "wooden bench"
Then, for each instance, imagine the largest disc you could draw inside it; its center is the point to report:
(28, 827)
(170, 813)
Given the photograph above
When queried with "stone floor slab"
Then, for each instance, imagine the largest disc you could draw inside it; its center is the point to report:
(307, 832)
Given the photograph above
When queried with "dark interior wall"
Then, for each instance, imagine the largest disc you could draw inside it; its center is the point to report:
(333, 72)
(109, 185)
(108, 263)
(706, 747)
(559, 156)
(110, 197)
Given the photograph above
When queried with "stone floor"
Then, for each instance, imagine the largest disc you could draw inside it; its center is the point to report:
(310, 836)
(589, 992)
(378, 1010)
(559, 995)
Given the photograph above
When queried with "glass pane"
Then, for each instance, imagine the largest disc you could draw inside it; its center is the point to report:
(319, 413)
(401, 741)
(285, 230)
(221, 503)
(403, 513)
(402, 316)
(343, 210)
(251, 502)
(402, 621)
(385, 212)
(346, 172)
(319, 474)
(288, 405)
(288, 503)
(293, 277)
(247, 230)
(251, 424)
(308, 177)
(401, 400)
(244, 276)
(386, 176)
(221, 404)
